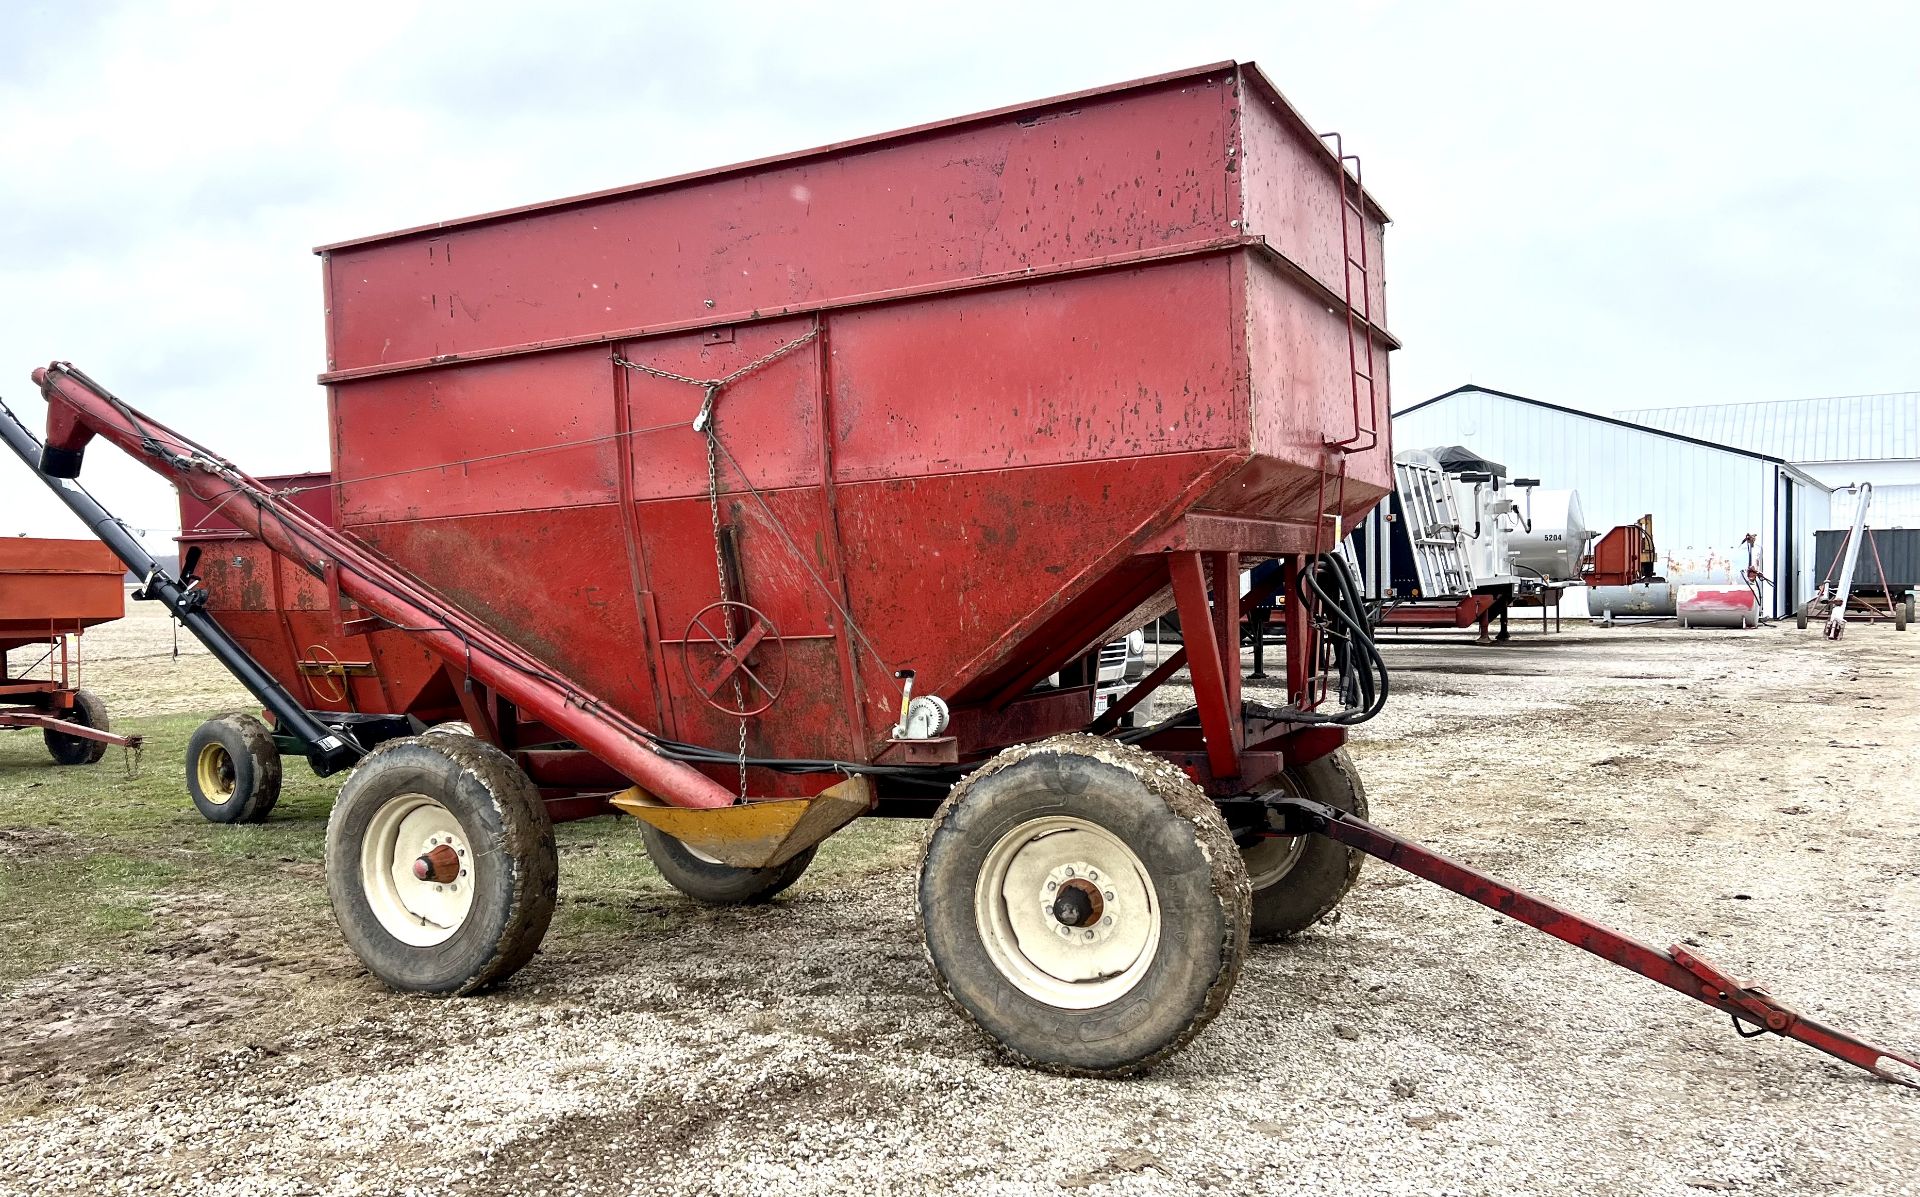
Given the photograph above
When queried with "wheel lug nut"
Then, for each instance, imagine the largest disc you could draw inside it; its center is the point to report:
(1092, 876)
(1052, 885)
(1107, 922)
(1109, 895)
(1089, 935)
(1068, 870)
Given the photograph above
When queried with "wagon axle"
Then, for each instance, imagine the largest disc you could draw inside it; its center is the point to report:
(1077, 905)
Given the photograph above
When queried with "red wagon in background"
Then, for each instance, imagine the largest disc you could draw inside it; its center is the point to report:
(320, 647)
(51, 591)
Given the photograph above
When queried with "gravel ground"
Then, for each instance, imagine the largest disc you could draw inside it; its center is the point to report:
(1748, 793)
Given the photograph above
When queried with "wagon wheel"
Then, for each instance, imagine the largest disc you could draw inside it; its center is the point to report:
(233, 769)
(441, 866)
(1084, 905)
(1298, 880)
(87, 711)
(720, 666)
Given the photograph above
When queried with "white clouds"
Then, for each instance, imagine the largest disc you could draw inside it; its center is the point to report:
(1625, 206)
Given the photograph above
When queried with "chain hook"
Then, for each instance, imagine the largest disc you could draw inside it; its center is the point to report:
(703, 422)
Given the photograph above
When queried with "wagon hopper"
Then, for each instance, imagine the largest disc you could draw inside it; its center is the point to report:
(773, 496)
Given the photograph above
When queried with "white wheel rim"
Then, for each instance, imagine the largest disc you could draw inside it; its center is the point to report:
(1271, 859)
(418, 913)
(1070, 967)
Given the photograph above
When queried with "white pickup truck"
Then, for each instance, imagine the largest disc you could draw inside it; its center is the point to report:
(1122, 663)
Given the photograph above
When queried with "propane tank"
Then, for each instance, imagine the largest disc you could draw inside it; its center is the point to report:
(1641, 600)
(1723, 605)
(1552, 536)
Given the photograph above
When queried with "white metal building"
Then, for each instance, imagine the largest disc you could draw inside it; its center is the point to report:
(1703, 496)
(1840, 441)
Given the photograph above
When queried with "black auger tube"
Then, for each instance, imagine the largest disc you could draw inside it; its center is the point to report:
(328, 750)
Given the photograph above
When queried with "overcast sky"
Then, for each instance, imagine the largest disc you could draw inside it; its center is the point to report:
(1608, 206)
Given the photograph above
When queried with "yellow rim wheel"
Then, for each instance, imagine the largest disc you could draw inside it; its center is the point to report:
(214, 769)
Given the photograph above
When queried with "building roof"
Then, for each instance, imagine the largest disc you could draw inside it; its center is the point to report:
(1589, 415)
(1839, 428)
(1619, 423)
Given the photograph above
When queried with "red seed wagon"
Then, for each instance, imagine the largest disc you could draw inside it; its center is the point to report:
(51, 591)
(324, 652)
(755, 500)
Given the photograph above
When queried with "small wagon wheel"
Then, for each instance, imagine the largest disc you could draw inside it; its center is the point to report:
(737, 674)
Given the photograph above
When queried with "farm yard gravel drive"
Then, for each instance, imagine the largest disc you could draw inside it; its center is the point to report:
(177, 1014)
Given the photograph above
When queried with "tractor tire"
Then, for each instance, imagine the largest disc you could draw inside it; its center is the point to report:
(441, 865)
(705, 879)
(233, 769)
(88, 711)
(1800, 617)
(1083, 905)
(1910, 611)
(1900, 617)
(1298, 880)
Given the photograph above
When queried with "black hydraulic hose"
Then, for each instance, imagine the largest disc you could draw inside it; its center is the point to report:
(1356, 675)
(1348, 606)
(1350, 609)
(328, 749)
(1133, 735)
(933, 775)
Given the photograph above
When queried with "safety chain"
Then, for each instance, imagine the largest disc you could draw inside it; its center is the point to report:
(706, 423)
(714, 386)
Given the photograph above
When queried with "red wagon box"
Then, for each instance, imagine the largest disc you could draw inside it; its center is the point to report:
(50, 592)
(50, 588)
(1024, 356)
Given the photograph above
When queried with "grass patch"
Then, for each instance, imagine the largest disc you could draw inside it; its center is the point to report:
(95, 906)
(150, 806)
(94, 846)
(869, 846)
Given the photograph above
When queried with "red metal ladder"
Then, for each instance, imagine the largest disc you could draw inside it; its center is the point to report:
(1360, 359)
